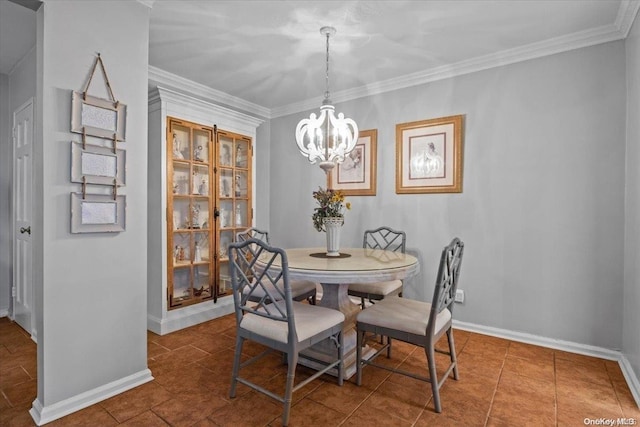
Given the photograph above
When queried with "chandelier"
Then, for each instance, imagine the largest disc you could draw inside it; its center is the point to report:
(326, 138)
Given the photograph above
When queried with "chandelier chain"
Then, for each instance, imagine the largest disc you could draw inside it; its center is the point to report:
(326, 94)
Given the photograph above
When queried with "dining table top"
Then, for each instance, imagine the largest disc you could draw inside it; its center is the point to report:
(354, 265)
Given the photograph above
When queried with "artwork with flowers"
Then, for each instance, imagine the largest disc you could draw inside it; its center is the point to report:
(331, 205)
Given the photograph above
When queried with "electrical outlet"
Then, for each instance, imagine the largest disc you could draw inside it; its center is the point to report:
(459, 295)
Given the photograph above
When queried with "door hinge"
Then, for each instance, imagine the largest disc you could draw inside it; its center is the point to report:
(13, 292)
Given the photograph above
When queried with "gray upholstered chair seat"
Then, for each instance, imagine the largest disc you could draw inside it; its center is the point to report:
(391, 287)
(406, 315)
(310, 321)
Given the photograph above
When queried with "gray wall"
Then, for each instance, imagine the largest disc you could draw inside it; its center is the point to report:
(5, 197)
(631, 314)
(91, 290)
(542, 208)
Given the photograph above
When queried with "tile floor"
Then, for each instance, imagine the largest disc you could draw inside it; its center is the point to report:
(502, 383)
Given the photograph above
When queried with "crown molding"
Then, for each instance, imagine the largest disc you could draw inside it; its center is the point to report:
(205, 108)
(160, 77)
(510, 56)
(626, 15)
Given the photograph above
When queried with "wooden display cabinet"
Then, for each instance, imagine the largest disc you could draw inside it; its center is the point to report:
(234, 209)
(208, 202)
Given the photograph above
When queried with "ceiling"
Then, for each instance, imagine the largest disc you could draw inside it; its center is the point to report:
(269, 56)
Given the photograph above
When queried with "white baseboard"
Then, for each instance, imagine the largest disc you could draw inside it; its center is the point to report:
(4, 313)
(572, 347)
(189, 316)
(632, 379)
(45, 414)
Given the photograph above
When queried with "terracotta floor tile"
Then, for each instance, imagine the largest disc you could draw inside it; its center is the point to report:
(17, 416)
(477, 364)
(214, 343)
(24, 392)
(173, 340)
(468, 388)
(397, 400)
(577, 389)
(578, 358)
(135, 401)
(146, 419)
(530, 352)
(252, 409)
(461, 409)
(277, 384)
(372, 377)
(431, 419)
(176, 359)
(567, 370)
(520, 409)
(536, 388)
(154, 349)
(92, 416)
(343, 399)
(13, 376)
(182, 411)
(368, 415)
(573, 412)
(310, 413)
(533, 368)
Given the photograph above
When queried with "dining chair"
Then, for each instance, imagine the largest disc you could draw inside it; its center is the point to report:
(301, 289)
(380, 238)
(277, 322)
(416, 322)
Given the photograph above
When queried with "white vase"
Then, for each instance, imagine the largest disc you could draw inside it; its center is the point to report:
(332, 225)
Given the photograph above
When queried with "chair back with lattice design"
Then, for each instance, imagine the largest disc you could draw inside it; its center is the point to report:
(255, 269)
(252, 233)
(447, 280)
(385, 238)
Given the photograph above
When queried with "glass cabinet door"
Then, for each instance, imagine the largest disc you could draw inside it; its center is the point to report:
(190, 237)
(235, 212)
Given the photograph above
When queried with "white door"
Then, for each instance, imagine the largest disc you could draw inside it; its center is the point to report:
(22, 291)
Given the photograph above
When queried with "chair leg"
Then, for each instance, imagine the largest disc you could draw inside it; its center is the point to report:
(292, 359)
(389, 348)
(433, 375)
(362, 305)
(341, 356)
(236, 366)
(452, 352)
(359, 339)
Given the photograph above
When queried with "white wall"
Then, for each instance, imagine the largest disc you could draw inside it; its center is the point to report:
(5, 197)
(91, 288)
(542, 208)
(631, 317)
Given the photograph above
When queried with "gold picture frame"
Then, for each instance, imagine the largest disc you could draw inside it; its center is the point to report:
(429, 156)
(356, 176)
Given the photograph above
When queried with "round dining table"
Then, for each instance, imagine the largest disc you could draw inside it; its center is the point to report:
(354, 265)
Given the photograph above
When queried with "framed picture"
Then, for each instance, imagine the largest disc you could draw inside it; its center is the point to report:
(96, 213)
(97, 165)
(356, 176)
(429, 156)
(98, 117)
